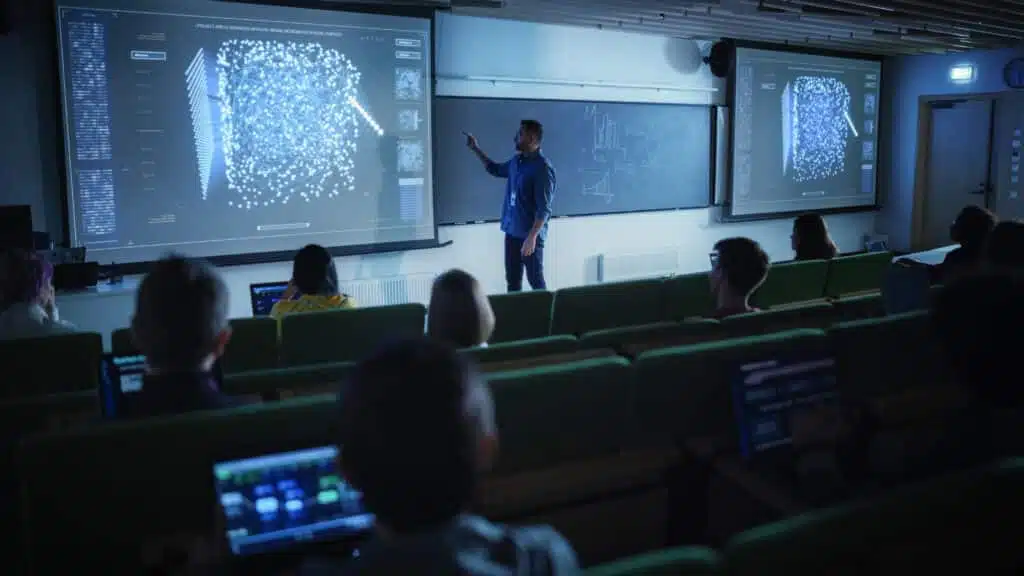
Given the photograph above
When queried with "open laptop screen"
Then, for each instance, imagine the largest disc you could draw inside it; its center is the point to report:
(771, 395)
(122, 376)
(278, 500)
(265, 295)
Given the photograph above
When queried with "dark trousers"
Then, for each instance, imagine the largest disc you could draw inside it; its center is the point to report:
(515, 262)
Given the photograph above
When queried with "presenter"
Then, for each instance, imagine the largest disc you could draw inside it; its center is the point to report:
(529, 189)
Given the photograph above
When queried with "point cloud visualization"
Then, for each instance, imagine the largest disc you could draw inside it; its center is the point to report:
(816, 127)
(289, 121)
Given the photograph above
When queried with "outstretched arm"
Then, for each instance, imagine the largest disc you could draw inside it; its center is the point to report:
(496, 169)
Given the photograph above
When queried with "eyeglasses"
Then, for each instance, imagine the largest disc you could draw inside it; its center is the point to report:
(713, 257)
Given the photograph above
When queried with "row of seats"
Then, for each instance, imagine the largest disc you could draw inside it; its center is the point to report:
(575, 437)
(964, 523)
(354, 333)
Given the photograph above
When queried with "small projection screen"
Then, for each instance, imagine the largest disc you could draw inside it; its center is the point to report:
(218, 129)
(805, 133)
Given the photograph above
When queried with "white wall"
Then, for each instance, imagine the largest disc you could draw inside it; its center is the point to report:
(500, 58)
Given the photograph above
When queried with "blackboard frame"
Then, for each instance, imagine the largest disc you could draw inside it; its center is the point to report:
(712, 154)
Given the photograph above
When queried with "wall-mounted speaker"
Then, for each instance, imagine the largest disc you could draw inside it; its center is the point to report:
(721, 57)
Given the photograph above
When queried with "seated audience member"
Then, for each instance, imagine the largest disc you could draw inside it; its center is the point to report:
(314, 284)
(417, 429)
(811, 240)
(970, 230)
(1005, 248)
(29, 300)
(181, 326)
(738, 267)
(460, 313)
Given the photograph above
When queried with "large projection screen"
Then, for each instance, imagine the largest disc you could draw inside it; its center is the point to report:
(218, 129)
(805, 133)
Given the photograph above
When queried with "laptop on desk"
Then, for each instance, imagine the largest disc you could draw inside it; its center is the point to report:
(265, 295)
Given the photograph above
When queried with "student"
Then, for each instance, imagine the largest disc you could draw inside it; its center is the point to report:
(1005, 247)
(417, 430)
(29, 299)
(314, 284)
(738, 267)
(810, 238)
(970, 230)
(181, 326)
(460, 313)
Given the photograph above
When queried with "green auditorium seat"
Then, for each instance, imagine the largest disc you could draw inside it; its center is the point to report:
(965, 523)
(860, 307)
(682, 561)
(630, 339)
(572, 456)
(346, 335)
(48, 413)
(586, 308)
(685, 392)
(98, 494)
(688, 296)
(883, 356)
(522, 349)
(253, 345)
(278, 383)
(857, 273)
(521, 315)
(50, 365)
(815, 315)
(792, 282)
(121, 342)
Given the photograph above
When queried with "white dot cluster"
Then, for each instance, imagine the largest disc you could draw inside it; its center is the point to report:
(820, 105)
(287, 124)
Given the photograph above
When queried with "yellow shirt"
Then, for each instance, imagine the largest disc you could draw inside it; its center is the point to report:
(311, 303)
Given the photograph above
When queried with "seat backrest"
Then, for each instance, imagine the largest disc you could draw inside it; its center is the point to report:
(586, 308)
(884, 356)
(682, 561)
(816, 315)
(521, 315)
(272, 385)
(98, 494)
(51, 364)
(686, 392)
(552, 415)
(547, 360)
(346, 335)
(688, 296)
(792, 282)
(857, 273)
(521, 349)
(121, 342)
(253, 345)
(859, 307)
(966, 523)
(660, 334)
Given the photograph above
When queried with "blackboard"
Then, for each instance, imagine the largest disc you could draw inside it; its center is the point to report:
(609, 157)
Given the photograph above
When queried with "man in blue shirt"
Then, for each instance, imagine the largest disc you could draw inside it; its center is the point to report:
(529, 188)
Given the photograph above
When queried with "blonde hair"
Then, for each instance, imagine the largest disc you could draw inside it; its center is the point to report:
(460, 314)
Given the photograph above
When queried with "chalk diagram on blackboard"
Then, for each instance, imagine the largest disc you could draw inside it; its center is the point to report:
(616, 150)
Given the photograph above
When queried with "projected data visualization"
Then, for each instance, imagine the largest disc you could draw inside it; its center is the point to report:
(804, 133)
(224, 128)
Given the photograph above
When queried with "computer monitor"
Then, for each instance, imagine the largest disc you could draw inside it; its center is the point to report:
(122, 377)
(772, 395)
(265, 295)
(277, 501)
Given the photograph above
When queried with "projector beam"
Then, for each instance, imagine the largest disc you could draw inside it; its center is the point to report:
(366, 116)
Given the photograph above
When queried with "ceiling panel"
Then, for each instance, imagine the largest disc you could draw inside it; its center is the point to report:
(886, 27)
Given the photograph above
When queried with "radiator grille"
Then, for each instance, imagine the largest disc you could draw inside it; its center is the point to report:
(617, 267)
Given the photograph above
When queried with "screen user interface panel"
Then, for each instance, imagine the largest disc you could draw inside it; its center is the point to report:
(222, 128)
(805, 132)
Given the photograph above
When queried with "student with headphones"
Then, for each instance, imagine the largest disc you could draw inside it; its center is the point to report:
(314, 284)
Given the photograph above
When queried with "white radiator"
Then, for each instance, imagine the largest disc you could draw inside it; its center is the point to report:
(618, 267)
(390, 289)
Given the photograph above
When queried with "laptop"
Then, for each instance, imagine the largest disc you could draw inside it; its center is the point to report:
(265, 295)
(122, 376)
(275, 502)
(777, 399)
